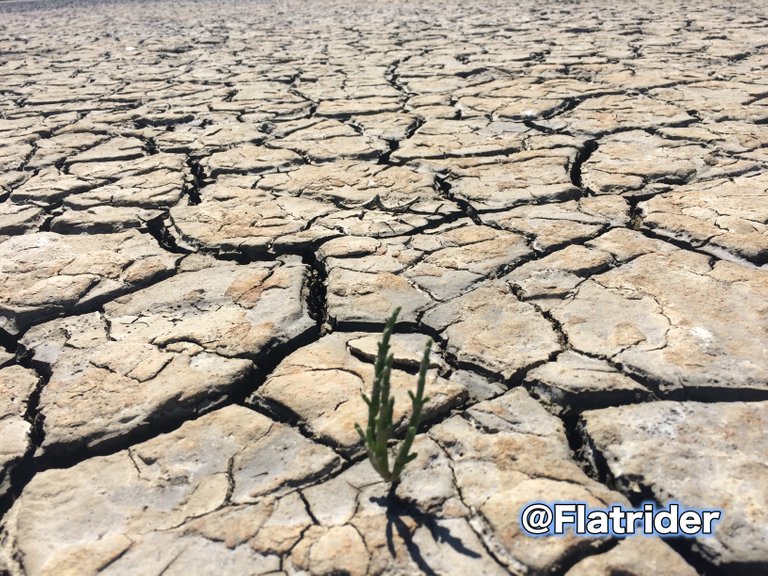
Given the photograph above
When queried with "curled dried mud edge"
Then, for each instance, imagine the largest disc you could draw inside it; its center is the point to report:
(20, 472)
(595, 465)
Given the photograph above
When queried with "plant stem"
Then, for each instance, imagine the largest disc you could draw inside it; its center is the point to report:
(381, 407)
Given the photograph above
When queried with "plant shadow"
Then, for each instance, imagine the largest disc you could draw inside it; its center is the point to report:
(397, 509)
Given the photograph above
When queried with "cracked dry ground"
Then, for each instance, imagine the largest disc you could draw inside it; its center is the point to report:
(208, 209)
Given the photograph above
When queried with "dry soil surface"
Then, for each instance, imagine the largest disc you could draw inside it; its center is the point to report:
(208, 209)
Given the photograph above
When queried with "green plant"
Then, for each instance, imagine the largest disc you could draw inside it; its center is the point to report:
(381, 406)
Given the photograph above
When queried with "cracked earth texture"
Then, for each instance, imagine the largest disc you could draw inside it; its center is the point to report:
(208, 210)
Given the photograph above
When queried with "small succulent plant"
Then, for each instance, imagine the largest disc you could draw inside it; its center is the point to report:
(381, 406)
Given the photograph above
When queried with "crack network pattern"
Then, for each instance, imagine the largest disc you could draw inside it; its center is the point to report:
(207, 210)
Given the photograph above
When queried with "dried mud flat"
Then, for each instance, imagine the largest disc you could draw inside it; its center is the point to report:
(208, 209)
